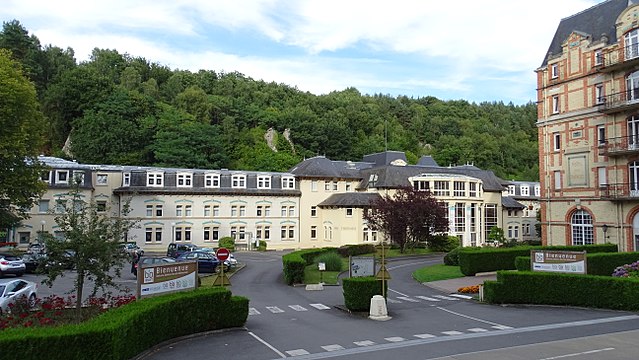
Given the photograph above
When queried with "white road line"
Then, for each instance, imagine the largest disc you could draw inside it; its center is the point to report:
(298, 308)
(452, 332)
(470, 317)
(397, 292)
(577, 354)
(477, 330)
(501, 327)
(297, 352)
(334, 347)
(424, 336)
(253, 311)
(462, 296)
(320, 306)
(267, 345)
(395, 339)
(445, 297)
(274, 309)
(406, 298)
(427, 298)
(364, 343)
(393, 301)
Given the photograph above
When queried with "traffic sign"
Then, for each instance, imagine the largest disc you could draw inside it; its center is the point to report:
(222, 254)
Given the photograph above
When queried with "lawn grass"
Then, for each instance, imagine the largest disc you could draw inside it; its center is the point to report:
(437, 272)
(312, 274)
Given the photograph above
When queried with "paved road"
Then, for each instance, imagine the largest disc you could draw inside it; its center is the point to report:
(426, 323)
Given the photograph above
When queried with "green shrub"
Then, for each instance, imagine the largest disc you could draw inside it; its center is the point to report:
(293, 263)
(262, 246)
(124, 332)
(443, 243)
(227, 242)
(354, 250)
(522, 263)
(359, 291)
(332, 260)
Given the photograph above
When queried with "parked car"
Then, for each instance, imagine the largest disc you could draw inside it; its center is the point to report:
(36, 248)
(206, 262)
(12, 290)
(148, 261)
(231, 262)
(176, 249)
(11, 264)
(131, 248)
(32, 261)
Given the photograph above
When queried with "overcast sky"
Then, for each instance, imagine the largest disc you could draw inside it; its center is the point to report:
(483, 50)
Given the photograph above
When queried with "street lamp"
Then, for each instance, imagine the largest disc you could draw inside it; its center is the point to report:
(604, 228)
(42, 223)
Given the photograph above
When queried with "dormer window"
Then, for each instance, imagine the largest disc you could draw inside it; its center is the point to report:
(511, 189)
(154, 179)
(288, 182)
(632, 44)
(554, 71)
(525, 190)
(212, 180)
(599, 58)
(126, 179)
(46, 177)
(62, 177)
(101, 179)
(184, 180)
(78, 177)
(238, 181)
(537, 190)
(263, 182)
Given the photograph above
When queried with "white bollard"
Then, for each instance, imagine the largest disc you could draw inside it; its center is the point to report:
(378, 309)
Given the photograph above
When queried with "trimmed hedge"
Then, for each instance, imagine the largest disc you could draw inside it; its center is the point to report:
(293, 264)
(359, 291)
(602, 264)
(354, 250)
(124, 332)
(476, 260)
(526, 287)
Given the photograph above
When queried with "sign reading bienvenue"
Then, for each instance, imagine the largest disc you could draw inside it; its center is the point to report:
(573, 262)
(165, 278)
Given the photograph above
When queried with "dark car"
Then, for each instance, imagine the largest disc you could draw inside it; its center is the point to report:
(33, 260)
(206, 262)
(148, 261)
(176, 249)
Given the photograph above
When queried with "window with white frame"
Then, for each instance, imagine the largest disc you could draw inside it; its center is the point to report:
(153, 234)
(212, 180)
(288, 182)
(601, 135)
(511, 189)
(555, 104)
(556, 141)
(101, 206)
(582, 229)
(207, 210)
(154, 210)
(472, 189)
(537, 190)
(327, 186)
(313, 185)
(525, 228)
(234, 210)
(101, 179)
(154, 179)
(601, 175)
(263, 182)
(78, 177)
(242, 210)
(291, 211)
(335, 186)
(460, 217)
(179, 210)
(441, 188)
(459, 188)
(632, 44)
(554, 71)
(211, 233)
(62, 177)
(313, 232)
(238, 181)
(43, 206)
(184, 180)
(188, 211)
(126, 179)
(557, 175)
(182, 233)
(525, 190)
(349, 187)
(421, 185)
(216, 210)
(599, 59)
(349, 212)
(313, 211)
(45, 176)
(328, 232)
(599, 94)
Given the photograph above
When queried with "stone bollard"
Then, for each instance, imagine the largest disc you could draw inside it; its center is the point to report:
(378, 309)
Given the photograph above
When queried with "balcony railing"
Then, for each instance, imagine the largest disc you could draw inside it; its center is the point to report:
(618, 102)
(620, 191)
(619, 146)
(618, 59)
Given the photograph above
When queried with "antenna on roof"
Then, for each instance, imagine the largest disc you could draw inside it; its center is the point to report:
(385, 135)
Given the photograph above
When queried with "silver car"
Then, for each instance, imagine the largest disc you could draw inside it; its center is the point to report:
(14, 289)
(11, 264)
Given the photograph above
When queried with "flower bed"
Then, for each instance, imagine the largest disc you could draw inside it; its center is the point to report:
(628, 270)
(474, 289)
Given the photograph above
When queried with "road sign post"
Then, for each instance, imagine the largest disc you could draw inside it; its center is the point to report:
(222, 254)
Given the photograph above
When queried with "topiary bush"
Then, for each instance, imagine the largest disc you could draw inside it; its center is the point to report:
(333, 261)
(359, 291)
(227, 242)
(354, 250)
(262, 246)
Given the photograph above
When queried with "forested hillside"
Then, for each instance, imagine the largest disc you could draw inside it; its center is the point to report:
(118, 109)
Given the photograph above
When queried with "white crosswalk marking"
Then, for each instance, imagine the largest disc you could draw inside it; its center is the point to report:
(452, 332)
(274, 309)
(461, 296)
(320, 306)
(333, 347)
(424, 336)
(393, 301)
(253, 311)
(427, 298)
(477, 330)
(364, 343)
(298, 308)
(395, 339)
(501, 327)
(407, 299)
(297, 352)
(445, 297)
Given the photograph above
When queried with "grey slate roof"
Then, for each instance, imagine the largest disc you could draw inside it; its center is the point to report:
(385, 158)
(322, 167)
(595, 21)
(352, 199)
(427, 161)
(511, 203)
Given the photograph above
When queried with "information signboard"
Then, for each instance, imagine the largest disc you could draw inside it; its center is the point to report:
(362, 266)
(558, 261)
(166, 278)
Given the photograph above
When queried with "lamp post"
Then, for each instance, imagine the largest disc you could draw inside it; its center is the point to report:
(42, 223)
(604, 228)
(173, 232)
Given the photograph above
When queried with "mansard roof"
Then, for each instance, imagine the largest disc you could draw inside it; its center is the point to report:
(595, 21)
(511, 203)
(322, 167)
(352, 199)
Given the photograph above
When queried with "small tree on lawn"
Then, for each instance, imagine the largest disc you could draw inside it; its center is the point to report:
(496, 235)
(407, 217)
(90, 243)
